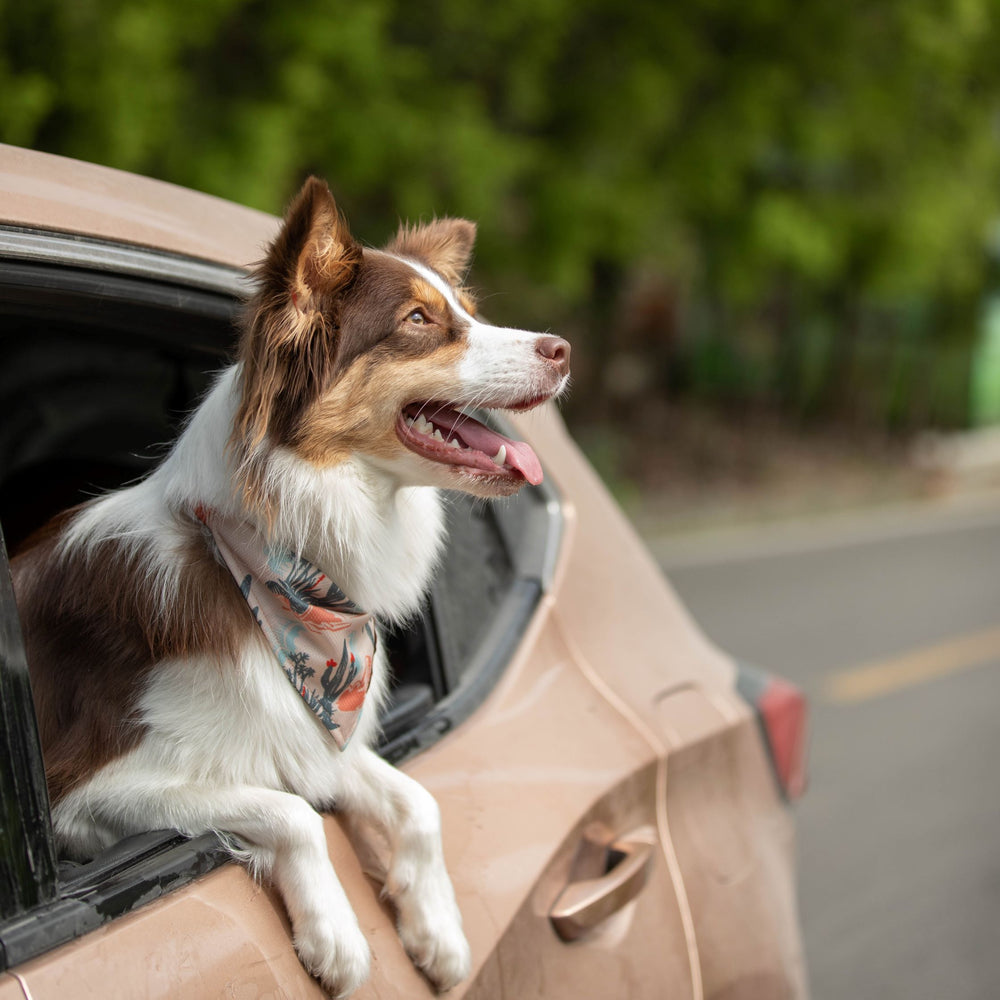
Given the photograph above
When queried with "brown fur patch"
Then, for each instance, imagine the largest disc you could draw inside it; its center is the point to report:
(289, 341)
(359, 414)
(374, 311)
(93, 630)
(427, 296)
(383, 363)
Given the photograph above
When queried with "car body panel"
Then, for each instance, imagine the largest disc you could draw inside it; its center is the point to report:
(222, 936)
(545, 758)
(10, 988)
(730, 831)
(734, 840)
(615, 710)
(43, 191)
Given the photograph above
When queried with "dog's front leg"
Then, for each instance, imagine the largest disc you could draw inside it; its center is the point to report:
(280, 835)
(375, 795)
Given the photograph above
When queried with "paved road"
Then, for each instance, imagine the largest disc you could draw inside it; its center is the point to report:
(891, 623)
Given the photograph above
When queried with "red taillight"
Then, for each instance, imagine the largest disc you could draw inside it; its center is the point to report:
(784, 715)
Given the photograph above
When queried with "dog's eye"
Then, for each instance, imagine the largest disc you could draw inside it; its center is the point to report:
(418, 316)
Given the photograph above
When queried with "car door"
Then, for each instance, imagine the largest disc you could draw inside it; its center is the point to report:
(549, 800)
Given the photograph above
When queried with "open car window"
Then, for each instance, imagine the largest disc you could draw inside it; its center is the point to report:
(104, 348)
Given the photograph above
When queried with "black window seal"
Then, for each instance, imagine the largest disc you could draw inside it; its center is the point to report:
(27, 848)
(60, 905)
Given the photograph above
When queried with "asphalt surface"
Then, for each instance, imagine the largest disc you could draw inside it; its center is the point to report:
(891, 624)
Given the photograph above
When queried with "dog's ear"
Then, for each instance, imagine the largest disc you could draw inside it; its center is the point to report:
(288, 345)
(313, 258)
(444, 244)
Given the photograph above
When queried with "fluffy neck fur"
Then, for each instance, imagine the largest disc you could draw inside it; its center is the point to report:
(377, 539)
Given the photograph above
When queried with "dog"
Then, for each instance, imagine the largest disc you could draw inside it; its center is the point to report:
(203, 644)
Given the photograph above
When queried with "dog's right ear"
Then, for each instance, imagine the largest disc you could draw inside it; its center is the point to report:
(288, 344)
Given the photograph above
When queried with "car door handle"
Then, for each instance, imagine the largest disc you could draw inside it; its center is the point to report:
(584, 904)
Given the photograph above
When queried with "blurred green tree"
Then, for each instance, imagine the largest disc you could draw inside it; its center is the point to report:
(759, 188)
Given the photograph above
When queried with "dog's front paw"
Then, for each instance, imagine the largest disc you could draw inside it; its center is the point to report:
(338, 957)
(432, 936)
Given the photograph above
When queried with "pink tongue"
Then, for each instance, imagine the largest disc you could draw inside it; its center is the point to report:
(474, 434)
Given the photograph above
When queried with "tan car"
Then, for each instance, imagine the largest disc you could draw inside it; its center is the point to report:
(614, 789)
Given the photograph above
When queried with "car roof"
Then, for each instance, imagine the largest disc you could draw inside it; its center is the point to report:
(43, 191)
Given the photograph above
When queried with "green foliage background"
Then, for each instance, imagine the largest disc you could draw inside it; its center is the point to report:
(766, 201)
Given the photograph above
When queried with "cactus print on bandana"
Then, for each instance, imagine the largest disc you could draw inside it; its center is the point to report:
(323, 642)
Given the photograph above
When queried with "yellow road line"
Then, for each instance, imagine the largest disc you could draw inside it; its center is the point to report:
(871, 680)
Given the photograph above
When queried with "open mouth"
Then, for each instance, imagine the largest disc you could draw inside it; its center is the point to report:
(443, 434)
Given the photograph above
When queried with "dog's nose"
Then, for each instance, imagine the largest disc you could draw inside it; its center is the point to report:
(556, 350)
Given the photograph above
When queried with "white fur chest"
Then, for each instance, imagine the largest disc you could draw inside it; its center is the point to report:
(247, 726)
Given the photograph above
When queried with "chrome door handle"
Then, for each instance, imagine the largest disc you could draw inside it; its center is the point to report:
(586, 903)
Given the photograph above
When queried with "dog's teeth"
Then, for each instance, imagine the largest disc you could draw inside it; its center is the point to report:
(409, 421)
(500, 457)
(437, 435)
(453, 443)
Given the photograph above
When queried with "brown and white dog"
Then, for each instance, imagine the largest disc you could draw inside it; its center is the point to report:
(161, 701)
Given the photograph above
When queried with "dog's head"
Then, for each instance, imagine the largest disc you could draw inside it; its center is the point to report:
(348, 350)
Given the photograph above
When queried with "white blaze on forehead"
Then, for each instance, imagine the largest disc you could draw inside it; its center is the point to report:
(435, 280)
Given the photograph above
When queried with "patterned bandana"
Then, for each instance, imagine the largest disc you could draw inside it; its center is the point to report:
(325, 644)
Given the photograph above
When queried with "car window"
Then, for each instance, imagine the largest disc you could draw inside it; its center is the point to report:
(103, 350)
